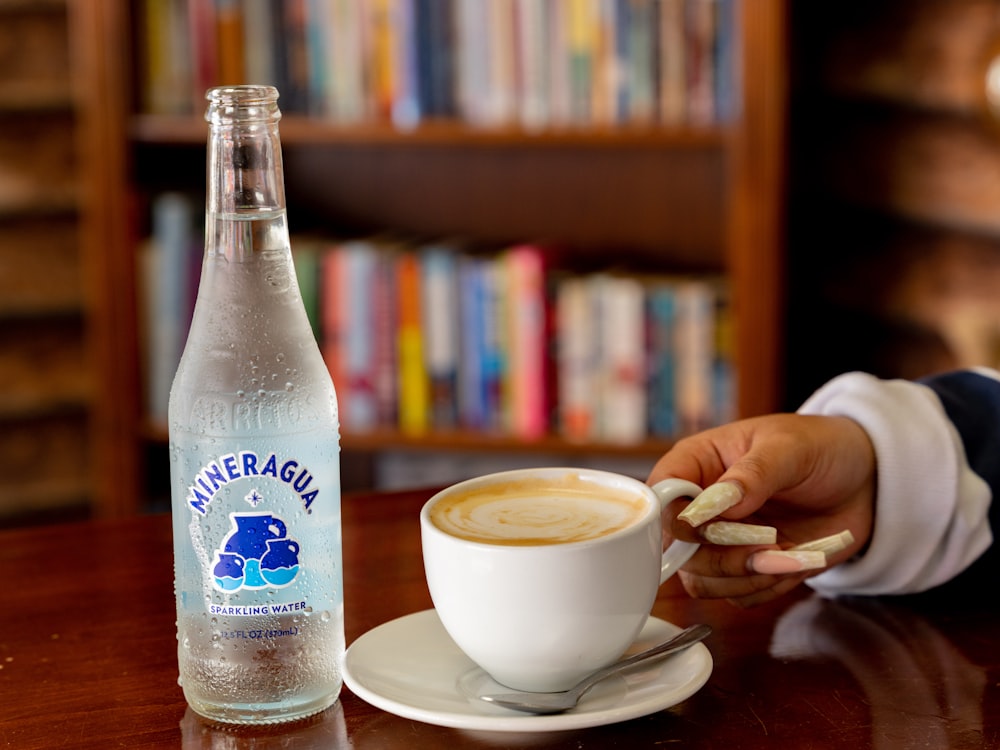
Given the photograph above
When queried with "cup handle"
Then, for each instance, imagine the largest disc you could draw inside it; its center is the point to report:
(679, 552)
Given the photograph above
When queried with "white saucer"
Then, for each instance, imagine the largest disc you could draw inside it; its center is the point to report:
(412, 668)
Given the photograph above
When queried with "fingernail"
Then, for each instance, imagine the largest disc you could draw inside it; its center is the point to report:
(713, 500)
(828, 544)
(783, 562)
(731, 533)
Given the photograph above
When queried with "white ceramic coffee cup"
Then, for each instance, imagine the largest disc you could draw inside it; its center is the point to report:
(540, 617)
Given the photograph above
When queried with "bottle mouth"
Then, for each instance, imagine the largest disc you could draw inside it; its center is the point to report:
(246, 103)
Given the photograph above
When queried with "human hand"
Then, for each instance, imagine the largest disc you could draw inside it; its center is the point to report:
(808, 476)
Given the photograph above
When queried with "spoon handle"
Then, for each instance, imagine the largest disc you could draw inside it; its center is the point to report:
(682, 640)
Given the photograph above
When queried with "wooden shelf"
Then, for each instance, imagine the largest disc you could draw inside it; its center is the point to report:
(24, 98)
(468, 441)
(156, 129)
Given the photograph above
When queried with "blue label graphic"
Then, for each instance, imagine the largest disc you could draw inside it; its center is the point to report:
(257, 554)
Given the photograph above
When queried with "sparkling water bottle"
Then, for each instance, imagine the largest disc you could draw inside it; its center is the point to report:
(254, 450)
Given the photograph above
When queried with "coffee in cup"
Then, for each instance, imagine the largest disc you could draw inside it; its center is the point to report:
(542, 576)
(556, 509)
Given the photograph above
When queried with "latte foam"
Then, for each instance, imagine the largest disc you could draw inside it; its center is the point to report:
(536, 512)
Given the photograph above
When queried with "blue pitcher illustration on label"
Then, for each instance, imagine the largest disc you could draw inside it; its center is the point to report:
(256, 554)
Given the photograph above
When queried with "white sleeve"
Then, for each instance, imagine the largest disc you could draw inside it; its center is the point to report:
(931, 509)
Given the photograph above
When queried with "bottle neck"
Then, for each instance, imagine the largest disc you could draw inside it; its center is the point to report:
(245, 171)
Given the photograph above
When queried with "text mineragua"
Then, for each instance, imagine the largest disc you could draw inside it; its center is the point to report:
(233, 466)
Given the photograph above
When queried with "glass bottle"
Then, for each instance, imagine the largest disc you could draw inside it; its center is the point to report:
(254, 450)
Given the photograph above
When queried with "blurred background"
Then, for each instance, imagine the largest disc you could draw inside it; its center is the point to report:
(608, 222)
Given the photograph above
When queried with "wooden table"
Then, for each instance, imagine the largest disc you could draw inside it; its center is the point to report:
(88, 657)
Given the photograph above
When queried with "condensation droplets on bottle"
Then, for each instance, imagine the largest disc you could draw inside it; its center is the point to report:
(254, 450)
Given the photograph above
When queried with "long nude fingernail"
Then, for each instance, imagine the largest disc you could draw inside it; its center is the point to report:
(828, 544)
(731, 533)
(783, 562)
(712, 501)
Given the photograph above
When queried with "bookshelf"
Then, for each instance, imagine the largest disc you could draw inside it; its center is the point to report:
(45, 368)
(682, 198)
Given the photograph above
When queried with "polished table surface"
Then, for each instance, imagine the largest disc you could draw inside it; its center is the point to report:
(88, 656)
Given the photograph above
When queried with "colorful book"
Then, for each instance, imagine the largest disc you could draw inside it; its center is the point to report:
(621, 329)
(260, 18)
(333, 322)
(577, 360)
(673, 62)
(727, 90)
(471, 381)
(434, 31)
(724, 397)
(493, 344)
(382, 51)
(527, 340)
(581, 48)
(661, 373)
(414, 404)
(440, 322)
(306, 254)
(473, 61)
(700, 62)
(167, 70)
(532, 30)
(695, 354)
(230, 39)
(203, 50)
(295, 85)
(641, 18)
(348, 273)
(171, 299)
(349, 64)
(385, 299)
(318, 21)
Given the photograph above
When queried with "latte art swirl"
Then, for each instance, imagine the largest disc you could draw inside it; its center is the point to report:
(534, 514)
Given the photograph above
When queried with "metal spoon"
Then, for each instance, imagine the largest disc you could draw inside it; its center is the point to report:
(554, 703)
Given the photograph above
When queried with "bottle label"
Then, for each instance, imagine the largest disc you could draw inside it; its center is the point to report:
(263, 523)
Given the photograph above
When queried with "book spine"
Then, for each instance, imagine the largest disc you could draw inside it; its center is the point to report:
(359, 356)
(306, 256)
(526, 331)
(168, 291)
(576, 360)
(204, 51)
(258, 46)
(661, 379)
(532, 63)
(318, 20)
(385, 336)
(166, 71)
(440, 307)
(695, 344)
(623, 356)
(413, 387)
(700, 68)
(673, 63)
(333, 322)
(405, 108)
(471, 389)
(639, 19)
(726, 90)
(229, 39)
(493, 345)
(350, 62)
(382, 57)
